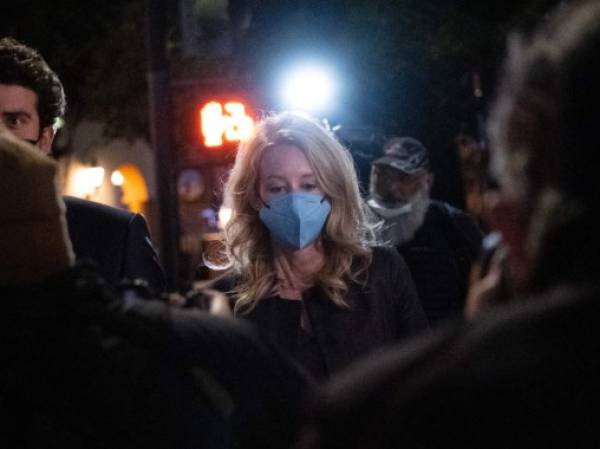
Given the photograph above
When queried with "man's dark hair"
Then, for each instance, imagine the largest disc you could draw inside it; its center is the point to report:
(23, 66)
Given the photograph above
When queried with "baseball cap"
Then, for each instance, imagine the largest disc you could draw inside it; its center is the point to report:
(405, 154)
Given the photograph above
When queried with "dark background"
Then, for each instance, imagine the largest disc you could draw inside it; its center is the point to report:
(406, 67)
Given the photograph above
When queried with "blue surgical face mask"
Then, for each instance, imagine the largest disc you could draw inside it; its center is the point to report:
(296, 218)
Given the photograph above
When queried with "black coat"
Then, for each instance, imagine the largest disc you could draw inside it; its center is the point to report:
(116, 240)
(440, 257)
(383, 311)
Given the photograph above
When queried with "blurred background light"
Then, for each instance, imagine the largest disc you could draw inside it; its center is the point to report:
(117, 178)
(88, 180)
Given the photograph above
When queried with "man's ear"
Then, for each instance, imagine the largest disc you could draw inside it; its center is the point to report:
(46, 139)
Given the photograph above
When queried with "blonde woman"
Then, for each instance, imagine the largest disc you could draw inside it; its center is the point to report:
(305, 266)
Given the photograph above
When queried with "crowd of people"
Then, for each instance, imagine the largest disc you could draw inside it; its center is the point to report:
(345, 321)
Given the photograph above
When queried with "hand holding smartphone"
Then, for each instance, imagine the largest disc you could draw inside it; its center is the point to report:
(490, 277)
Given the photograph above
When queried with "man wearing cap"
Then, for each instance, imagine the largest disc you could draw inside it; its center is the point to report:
(438, 241)
(31, 100)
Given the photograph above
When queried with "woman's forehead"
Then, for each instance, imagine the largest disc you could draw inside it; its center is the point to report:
(284, 159)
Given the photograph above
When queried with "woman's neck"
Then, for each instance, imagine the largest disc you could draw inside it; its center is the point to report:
(297, 269)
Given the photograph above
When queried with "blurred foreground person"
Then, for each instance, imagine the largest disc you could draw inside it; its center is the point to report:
(84, 367)
(306, 268)
(438, 242)
(524, 374)
(32, 100)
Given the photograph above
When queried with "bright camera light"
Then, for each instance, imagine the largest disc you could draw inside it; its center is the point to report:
(308, 89)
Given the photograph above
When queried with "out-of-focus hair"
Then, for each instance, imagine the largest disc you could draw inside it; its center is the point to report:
(543, 129)
(23, 66)
(544, 123)
(348, 234)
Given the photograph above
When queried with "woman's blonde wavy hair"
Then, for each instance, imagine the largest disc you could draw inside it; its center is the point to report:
(348, 234)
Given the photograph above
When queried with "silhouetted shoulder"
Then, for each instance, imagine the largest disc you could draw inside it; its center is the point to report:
(459, 222)
(83, 210)
(118, 241)
(386, 259)
(519, 368)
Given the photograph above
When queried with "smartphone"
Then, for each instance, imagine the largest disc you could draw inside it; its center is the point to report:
(490, 244)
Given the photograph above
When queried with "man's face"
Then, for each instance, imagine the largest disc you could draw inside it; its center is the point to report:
(394, 185)
(18, 110)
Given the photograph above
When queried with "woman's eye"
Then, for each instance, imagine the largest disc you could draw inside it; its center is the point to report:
(309, 187)
(275, 190)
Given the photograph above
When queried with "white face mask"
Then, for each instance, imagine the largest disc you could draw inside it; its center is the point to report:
(401, 223)
(387, 212)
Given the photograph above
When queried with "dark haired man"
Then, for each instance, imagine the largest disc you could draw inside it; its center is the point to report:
(32, 99)
(438, 242)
